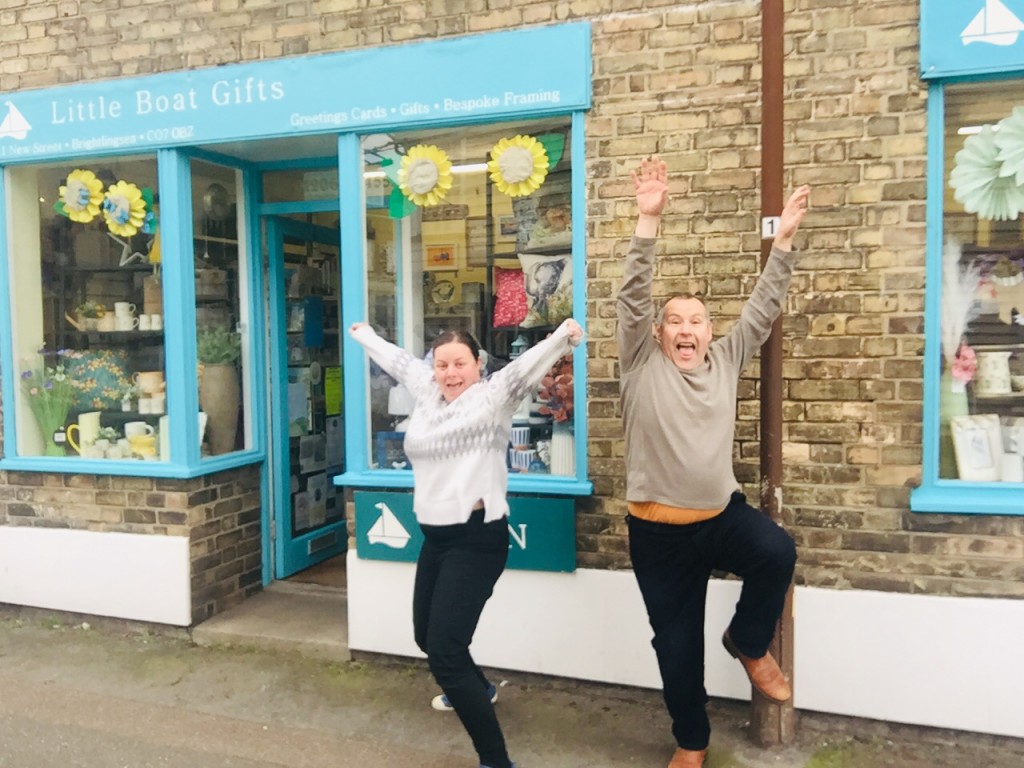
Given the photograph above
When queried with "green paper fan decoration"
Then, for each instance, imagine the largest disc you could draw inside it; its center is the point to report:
(81, 197)
(1010, 144)
(976, 181)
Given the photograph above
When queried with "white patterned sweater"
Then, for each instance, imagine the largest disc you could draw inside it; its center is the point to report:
(457, 449)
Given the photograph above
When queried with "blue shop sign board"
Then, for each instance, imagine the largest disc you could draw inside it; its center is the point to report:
(542, 530)
(971, 37)
(353, 91)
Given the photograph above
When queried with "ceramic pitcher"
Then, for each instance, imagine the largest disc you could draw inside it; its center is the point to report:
(993, 377)
(88, 429)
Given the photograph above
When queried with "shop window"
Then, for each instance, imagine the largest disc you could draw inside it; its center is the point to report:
(87, 308)
(221, 289)
(981, 401)
(460, 245)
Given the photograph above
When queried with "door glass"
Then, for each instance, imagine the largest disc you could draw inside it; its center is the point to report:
(313, 400)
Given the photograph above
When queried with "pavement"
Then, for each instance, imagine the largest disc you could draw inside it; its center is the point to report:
(85, 692)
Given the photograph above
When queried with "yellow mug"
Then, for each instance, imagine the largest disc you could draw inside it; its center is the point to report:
(144, 445)
(88, 429)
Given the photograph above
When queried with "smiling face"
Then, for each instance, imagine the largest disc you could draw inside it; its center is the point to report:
(456, 369)
(684, 333)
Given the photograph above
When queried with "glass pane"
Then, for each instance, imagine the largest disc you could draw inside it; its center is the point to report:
(294, 186)
(480, 259)
(982, 377)
(221, 310)
(87, 307)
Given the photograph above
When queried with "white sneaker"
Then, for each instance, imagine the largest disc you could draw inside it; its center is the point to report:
(441, 703)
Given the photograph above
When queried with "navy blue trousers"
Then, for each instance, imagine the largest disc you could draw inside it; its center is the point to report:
(673, 564)
(457, 569)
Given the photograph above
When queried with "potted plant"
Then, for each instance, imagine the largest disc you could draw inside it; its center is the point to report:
(218, 349)
(89, 314)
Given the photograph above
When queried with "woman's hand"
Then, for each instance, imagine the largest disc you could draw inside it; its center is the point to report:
(356, 326)
(575, 331)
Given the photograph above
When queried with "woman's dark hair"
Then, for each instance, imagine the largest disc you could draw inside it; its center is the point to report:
(459, 336)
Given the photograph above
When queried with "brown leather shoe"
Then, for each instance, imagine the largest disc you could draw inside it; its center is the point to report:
(688, 758)
(764, 673)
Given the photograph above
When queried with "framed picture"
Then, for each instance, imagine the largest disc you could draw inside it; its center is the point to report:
(391, 451)
(978, 446)
(508, 226)
(544, 219)
(476, 241)
(440, 256)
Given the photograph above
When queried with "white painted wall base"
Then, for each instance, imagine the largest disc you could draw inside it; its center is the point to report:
(125, 575)
(937, 661)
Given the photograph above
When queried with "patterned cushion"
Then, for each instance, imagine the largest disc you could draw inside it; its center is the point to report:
(510, 297)
(548, 288)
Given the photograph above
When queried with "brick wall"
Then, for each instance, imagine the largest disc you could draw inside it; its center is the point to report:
(681, 79)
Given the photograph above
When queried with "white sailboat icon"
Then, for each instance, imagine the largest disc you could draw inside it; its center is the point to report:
(387, 530)
(994, 24)
(14, 124)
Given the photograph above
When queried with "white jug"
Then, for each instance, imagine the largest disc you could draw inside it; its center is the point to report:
(993, 377)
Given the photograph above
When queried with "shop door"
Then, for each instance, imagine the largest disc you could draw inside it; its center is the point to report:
(307, 427)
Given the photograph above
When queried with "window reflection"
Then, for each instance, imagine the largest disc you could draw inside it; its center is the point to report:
(479, 259)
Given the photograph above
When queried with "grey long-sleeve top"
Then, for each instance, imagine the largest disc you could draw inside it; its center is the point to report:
(680, 425)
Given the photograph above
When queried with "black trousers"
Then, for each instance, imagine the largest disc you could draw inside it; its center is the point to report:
(673, 564)
(455, 575)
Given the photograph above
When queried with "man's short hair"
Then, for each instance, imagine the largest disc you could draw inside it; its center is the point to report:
(660, 318)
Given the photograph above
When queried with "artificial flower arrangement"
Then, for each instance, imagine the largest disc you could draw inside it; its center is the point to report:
(518, 166)
(126, 208)
(425, 175)
(959, 288)
(964, 367)
(556, 391)
(48, 392)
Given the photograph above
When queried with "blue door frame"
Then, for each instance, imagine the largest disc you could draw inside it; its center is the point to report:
(292, 553)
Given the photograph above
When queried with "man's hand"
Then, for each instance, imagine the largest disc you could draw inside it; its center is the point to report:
(651, 184)
(792, 215)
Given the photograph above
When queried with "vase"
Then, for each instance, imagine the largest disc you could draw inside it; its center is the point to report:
(563, 449)
(219, 399)
(952, 402)
(52, 448)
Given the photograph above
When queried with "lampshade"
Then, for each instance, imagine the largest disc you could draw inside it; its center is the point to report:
(400, 401)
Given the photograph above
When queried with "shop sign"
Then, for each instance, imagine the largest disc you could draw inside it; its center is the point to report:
(490, 77)
(542, 530)
(965, 37)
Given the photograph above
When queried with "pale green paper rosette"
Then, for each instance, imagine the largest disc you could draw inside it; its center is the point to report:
(976, 181)
(1010, 143)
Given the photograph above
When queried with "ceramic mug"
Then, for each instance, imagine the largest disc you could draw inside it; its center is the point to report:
(145, 323)
(88, 429)
(157, 402)
(149, 382)
(145, 405)
(126, 322)
(124, 308)
(137, 429)
(157, 322)
(144, 445)
(106, 323)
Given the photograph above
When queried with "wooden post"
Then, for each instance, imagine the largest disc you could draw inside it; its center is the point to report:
(773, 723)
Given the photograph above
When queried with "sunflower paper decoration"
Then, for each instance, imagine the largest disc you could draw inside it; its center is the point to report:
(1010, 143)
(124, 208)
(80, 197)
(977, 182)
(518, 166)
(425, 175)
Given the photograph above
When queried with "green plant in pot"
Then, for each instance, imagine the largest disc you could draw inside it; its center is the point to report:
(218, 350)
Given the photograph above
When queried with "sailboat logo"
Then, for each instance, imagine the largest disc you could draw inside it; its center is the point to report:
(14, 123)
(994, 24)
(387, 530)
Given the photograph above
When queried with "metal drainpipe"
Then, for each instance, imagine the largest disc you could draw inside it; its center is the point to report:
(772, 723)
